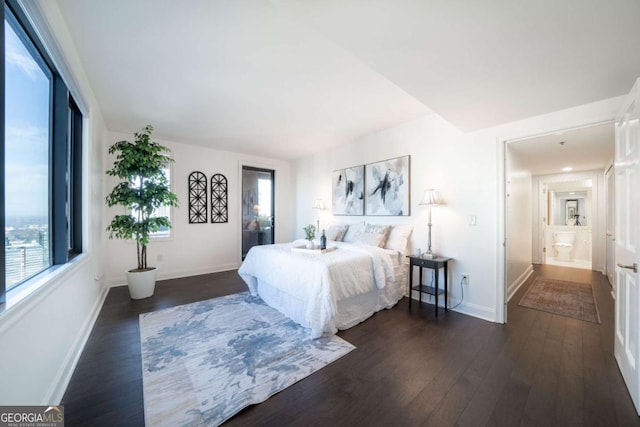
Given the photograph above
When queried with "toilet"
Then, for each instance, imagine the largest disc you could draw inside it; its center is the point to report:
(563, 244)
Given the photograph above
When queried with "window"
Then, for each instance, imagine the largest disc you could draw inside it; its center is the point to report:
(40, 157)
(163, 232)
(28, 87)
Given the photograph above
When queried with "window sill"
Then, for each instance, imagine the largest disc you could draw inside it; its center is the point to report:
(32, 291)
(152, 240)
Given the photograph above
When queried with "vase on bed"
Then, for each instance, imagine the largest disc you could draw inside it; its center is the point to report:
(310, 244)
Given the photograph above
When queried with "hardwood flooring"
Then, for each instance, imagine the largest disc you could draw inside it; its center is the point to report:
(409, 368)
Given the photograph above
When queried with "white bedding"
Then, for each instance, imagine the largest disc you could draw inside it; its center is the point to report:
(318, 282)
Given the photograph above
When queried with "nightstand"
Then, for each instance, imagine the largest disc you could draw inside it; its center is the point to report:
(434, 264)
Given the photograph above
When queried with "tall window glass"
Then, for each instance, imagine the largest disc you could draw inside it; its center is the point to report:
(28, 95)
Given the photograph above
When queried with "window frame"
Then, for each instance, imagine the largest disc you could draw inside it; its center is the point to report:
(65, 153)
(3, 281)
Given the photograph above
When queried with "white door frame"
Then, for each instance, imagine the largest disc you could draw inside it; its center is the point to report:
(609, 244)
(501, 143)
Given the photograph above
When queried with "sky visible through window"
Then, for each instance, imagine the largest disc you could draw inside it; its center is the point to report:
(27, 115)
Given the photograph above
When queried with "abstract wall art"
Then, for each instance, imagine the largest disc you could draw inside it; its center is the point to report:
(387, 187)
(348, 191)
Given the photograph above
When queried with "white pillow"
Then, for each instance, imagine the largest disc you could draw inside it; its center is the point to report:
(353, 231)
(336, 232)
(399, 237)
(374, 235)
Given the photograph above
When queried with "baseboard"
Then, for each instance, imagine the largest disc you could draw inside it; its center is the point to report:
(176, 274)
(513, 287)
(478, 311)
(59, 386)
(474, 310)
(197, 271)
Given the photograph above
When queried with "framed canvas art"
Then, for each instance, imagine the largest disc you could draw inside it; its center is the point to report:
(387, 187)
(348, 191)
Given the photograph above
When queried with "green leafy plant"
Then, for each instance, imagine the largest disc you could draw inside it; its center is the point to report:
(310, 231)
(142, 189)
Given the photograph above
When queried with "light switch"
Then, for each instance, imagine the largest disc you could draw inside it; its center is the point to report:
(472, 220)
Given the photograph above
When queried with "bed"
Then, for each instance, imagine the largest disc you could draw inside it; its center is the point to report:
(333, 290)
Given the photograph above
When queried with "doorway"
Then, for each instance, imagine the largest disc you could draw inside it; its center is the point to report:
(536, 169)
(258, 205)
(566, 217)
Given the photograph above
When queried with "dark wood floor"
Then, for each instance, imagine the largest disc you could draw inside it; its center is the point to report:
(409, 368)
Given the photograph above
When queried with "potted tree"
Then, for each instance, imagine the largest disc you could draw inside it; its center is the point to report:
(143, 188)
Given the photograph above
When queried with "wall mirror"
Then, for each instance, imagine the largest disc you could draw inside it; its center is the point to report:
(569, 203)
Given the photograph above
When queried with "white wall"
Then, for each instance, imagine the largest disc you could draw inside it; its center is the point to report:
(42, 336)
(198, 248)
(518, 220)
(443, 159)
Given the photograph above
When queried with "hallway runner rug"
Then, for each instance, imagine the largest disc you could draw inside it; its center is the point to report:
(569, 299)
(204, 362)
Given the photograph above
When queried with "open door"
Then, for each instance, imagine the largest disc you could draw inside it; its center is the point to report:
(627, 253)
(258, 204)
(610, 265)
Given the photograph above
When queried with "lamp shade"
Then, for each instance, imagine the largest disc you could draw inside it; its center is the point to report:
(319, 204)
(430, 198)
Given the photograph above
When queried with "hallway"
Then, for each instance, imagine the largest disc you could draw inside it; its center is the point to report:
(574, 376)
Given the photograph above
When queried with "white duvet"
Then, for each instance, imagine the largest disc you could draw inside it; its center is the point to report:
(319, 279)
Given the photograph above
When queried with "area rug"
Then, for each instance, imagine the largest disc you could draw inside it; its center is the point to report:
(569, 299)
(204, 362)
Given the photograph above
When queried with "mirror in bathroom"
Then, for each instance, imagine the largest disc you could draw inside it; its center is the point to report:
(571, 212)
(569, 203)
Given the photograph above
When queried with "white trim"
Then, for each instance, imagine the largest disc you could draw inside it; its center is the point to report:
(501, 274)
(474, 310)
(478, 311)
(513, 288)
(539, 257)
(63, 377)
(121, 280)
(599, 122)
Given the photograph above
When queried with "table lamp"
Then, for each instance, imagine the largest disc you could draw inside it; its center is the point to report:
(318, 205)
(429, 199)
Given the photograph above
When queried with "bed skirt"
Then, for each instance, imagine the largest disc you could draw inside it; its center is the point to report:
(350, 311)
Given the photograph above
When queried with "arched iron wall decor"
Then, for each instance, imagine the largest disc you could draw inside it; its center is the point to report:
(219, 205)
(197, 198)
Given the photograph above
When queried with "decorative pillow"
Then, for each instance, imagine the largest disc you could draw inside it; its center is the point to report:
(399, 237)
(336, 232)
(374, 235)
(353, 231)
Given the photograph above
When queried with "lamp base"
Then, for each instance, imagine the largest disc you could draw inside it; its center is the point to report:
(428, 255)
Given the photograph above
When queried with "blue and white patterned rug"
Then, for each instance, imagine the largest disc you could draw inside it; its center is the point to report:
(204, 362)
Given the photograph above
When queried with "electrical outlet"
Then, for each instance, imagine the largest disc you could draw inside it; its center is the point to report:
(465, 278)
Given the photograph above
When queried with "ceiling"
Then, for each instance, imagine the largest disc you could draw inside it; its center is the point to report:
(286, 78)
(589, 148)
